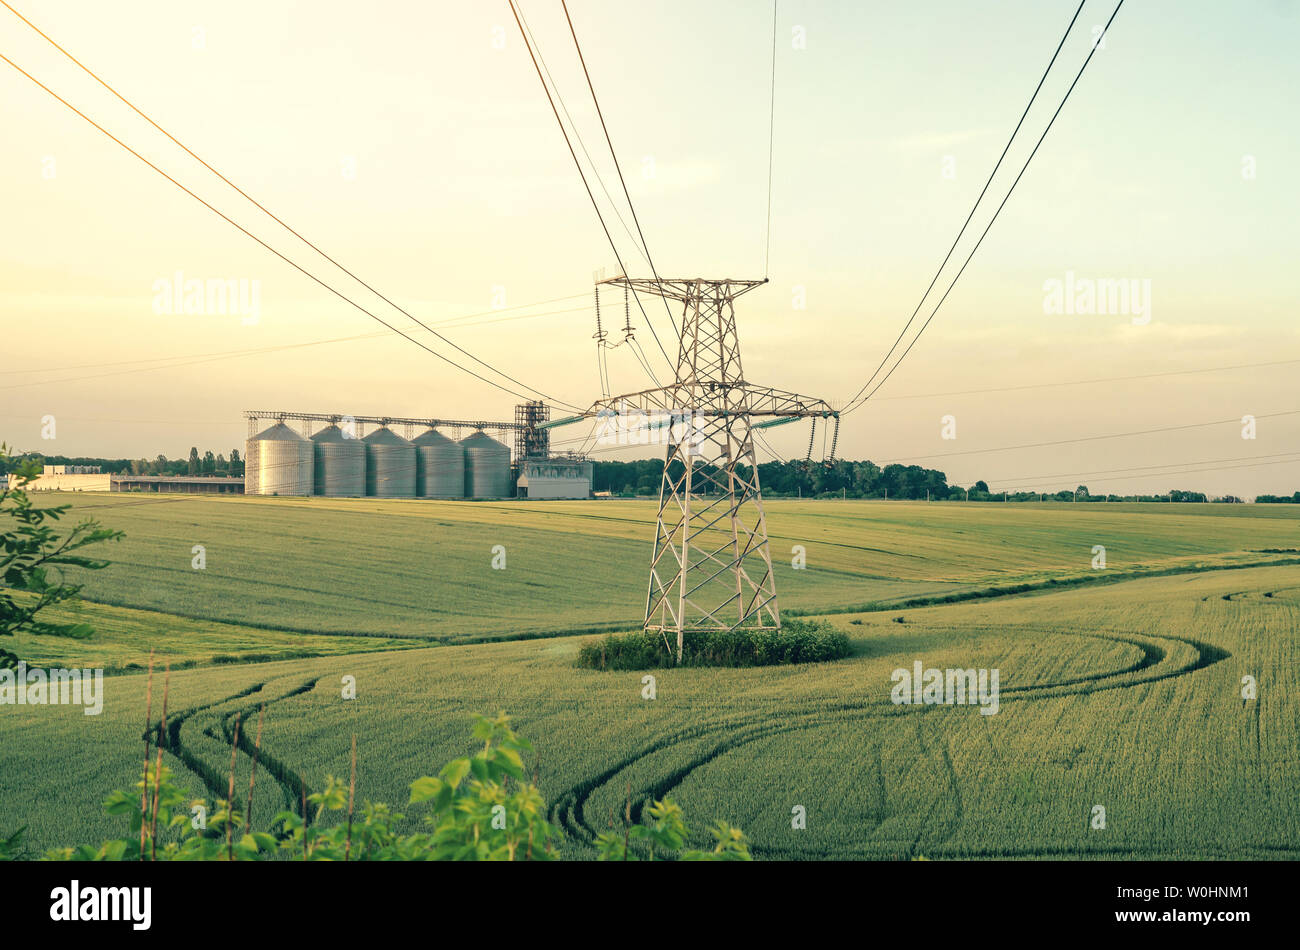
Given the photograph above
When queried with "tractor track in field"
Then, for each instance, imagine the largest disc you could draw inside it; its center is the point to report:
(171, 740)
(292, 787)
(1257, 715)
(569, 809)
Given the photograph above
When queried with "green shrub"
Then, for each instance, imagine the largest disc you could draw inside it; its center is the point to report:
(666, 832)
(798, 641)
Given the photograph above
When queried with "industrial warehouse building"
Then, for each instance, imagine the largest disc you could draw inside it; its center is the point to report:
(89, 478)
(554, 478)
(68, 478)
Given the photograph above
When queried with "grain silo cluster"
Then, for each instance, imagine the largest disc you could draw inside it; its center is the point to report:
(340, 461)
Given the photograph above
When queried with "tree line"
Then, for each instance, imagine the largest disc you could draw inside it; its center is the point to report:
(841, 479)
(865, 479)
(208, 463)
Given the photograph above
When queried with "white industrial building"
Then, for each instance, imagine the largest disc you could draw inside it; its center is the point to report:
(554, 478)
(68, 478)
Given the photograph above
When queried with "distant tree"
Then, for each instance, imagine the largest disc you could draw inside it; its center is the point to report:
(159, 466)
(980, 486)
(194, 464)
(1082, 491)
(236, 463)
(209, 465)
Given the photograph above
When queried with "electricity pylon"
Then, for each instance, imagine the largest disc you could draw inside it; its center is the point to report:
(711, 568)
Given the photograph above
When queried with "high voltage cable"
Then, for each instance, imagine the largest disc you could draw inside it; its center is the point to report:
(1005, 198)
(578, 135)
(635, 347)
(1091, 438)
(1088, 382)
(176, 362)
(602, 359)
(859, 398)
(973, 209)
(1013, 484)
(1189, 471)
(173, 362)
(1117, 472)
(463, 320)
(771, 146)
(619, 168)
(582, 174)
(282, 257)
(1006, 148)
(768, 445)
(274, 217)
(591, 437)
(1024, 483)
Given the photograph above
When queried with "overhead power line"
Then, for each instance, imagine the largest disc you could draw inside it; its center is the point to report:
(1151, 468)
(965, 224)
(1120, 472)
(582, 174)
(1186, 471)
(640, 249)
(175, 362)
(1089, 382)
(619, 168)
(264, 244)
(771, 147)
(859, 398)
(273, 216)
(1091, 438)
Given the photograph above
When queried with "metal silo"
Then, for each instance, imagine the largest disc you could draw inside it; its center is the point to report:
(439, 466)
(340, 463)
(278, 461)
(390, 465)
(487, 467)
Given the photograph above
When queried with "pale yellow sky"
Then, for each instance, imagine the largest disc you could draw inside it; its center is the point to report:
(404, 142)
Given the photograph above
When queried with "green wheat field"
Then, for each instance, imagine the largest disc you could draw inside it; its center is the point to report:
(1120, 687)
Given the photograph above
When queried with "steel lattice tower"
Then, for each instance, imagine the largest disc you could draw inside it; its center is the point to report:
(710, 568)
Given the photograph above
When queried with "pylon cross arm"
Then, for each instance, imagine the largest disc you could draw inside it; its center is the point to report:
(715, 399)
